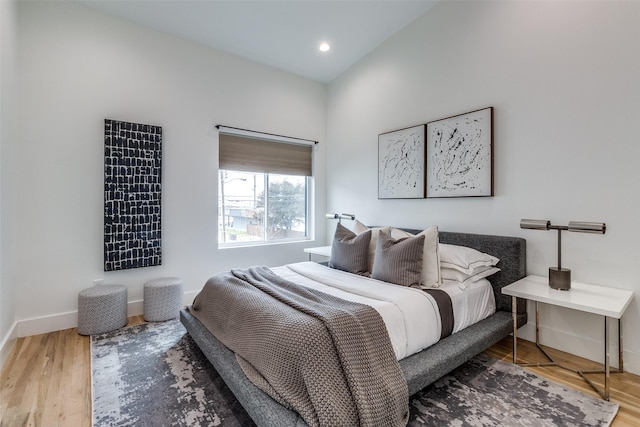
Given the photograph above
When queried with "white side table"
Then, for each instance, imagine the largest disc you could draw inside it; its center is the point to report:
(607, 302)
(320, 250)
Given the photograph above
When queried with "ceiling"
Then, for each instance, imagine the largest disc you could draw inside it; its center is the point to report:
(281, 34)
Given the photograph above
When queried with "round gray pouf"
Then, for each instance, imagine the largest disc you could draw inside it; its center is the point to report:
(102, 309)
(162, 299)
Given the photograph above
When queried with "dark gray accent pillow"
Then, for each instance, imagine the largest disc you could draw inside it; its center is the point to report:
(350, 251)
(398, 261)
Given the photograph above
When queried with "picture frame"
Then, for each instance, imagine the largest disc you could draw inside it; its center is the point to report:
(401, 163)
(460, 155)
(132, 195)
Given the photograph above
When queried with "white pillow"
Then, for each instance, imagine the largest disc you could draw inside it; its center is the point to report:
(464, 259)
(360, 228)
(430, 276)
(463, 280)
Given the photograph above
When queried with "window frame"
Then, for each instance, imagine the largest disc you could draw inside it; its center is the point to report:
(225, 131)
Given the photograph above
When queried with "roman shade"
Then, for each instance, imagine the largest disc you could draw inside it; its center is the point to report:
(252, 153)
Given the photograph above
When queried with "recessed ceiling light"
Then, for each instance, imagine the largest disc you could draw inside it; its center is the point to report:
(324, 47)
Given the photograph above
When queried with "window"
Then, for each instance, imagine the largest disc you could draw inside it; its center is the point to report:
(263, 190)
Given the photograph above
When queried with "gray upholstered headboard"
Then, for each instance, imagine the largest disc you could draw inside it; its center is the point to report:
(512, 252)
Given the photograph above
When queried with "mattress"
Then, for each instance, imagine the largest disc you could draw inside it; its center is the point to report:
(411, 315)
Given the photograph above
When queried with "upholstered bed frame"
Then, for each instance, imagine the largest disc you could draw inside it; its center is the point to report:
(420, 369)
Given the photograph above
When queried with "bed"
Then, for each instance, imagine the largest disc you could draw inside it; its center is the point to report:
(419, 369)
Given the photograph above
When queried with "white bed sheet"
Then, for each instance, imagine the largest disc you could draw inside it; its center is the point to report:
(410, 315)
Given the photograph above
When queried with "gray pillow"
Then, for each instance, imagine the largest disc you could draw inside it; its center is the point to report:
(398, 261)
(350, 251)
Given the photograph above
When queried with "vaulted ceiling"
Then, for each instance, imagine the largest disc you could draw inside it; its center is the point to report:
(282, 34)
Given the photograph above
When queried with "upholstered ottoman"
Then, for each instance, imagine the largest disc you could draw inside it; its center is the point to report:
(162, 299)
(102, 309)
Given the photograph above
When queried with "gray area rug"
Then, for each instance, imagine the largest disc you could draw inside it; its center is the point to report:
(488, 392)
(155, 375)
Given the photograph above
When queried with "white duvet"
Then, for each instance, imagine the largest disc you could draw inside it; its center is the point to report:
(410, 315)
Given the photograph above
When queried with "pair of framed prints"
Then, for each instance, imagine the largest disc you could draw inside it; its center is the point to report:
(451, 157)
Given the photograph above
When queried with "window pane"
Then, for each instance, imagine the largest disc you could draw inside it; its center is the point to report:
(242, 204)
(286, 207)
(240, 216)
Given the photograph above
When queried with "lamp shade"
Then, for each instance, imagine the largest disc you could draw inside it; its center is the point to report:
(535, 224)
(588, 227)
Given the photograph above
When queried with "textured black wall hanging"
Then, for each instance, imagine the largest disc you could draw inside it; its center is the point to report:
(132, 195)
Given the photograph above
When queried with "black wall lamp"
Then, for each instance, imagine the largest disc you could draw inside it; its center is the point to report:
(560, 278)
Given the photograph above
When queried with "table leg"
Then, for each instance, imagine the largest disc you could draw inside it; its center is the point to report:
(607, 371)
(607, 364)
(620, 355)
(514, 311)
(537, 325)
(551, 361)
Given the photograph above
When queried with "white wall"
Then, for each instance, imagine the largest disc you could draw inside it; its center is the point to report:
(78, 67)
(560, 75)
(8, 132)
(563, 80)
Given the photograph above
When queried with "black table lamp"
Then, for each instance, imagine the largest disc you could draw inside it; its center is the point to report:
(560, 278)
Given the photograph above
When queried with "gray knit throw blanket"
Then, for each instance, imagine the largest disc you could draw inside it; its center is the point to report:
(328, 359)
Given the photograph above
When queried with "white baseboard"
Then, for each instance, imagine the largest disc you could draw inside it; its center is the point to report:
(7, 343)
(585, 347)
(57, 322)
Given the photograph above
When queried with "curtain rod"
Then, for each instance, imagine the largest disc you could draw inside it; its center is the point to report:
(269, 134)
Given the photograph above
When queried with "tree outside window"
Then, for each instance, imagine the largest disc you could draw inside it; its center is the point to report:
(242, 207)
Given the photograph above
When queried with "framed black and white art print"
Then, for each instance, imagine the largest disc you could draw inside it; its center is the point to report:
(132, 195)
(460, 155)
(401, 164)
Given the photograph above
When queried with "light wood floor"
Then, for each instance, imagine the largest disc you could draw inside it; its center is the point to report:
(47, 380)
